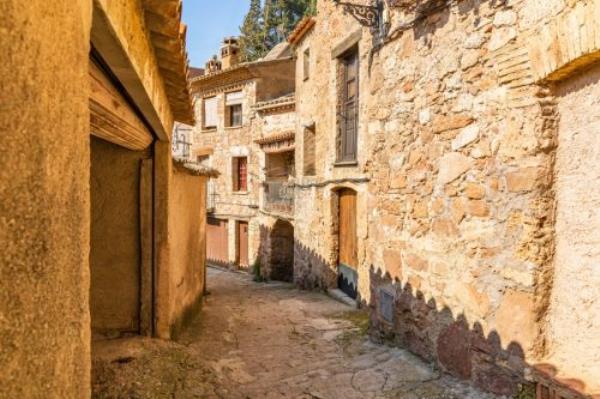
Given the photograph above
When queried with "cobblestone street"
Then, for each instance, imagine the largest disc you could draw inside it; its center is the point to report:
(257, 340)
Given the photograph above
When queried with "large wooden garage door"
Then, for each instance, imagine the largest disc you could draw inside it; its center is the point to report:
(217, 248)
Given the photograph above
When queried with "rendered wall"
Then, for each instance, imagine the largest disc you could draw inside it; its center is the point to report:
(574, 315)
(187, 268)
(115, 255)
(44, 199)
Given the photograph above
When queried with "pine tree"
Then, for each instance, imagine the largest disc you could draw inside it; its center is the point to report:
(252, 41)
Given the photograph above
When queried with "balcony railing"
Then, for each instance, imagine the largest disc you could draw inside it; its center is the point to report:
(279, 197)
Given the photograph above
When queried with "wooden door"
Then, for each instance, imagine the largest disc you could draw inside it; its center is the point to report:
(242, 242)
(348, 254)
(217, 248)
(347, 229)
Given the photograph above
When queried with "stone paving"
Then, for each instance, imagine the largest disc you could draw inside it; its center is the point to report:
(267, 340)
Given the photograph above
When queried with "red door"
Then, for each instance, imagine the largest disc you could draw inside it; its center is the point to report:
(217, 248)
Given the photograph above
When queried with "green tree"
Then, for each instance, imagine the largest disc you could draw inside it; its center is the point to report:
(252, 41)
(264, 30)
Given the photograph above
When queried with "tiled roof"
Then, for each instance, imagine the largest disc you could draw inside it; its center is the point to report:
(273, 138)
(237, 73)
(167, 34)
(286, 101)
(301, 29)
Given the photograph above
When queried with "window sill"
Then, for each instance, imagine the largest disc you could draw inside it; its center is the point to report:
(345, 164)
(240, 192)
(233, 127)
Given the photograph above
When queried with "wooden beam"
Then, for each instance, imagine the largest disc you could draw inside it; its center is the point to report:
(111, 117)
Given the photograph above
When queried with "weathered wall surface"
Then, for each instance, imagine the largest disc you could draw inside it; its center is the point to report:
(576, 299)
(115, 253)
(316, 252)
(188, 246)
(44, 199)
(458, 137)
(462, 199)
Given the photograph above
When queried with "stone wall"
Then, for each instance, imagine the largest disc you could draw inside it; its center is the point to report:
(462, 190)
(461, 114)
(44, 199)
(316, 253)
(227, 143)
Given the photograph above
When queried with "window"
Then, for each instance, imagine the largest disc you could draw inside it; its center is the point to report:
(348, 107)
(240, 174)
(309, 147)
(306, 64)
(233, 109)
(210, 113)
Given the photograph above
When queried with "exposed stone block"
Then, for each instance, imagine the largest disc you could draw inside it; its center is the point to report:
(452, 166)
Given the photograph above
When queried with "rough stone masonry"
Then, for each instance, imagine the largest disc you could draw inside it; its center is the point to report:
(476, 179)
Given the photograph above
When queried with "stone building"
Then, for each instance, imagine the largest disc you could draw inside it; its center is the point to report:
(101, 233)
(234, 107)
(446, 168)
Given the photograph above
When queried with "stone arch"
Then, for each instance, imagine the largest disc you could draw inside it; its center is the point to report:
(281, 251)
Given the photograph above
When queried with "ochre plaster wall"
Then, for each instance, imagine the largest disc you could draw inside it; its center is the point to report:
(188, 244)
(44, 199)
(115, 254)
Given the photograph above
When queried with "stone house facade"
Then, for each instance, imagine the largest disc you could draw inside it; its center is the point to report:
(224, 138)
(466, 171)
(102, 233)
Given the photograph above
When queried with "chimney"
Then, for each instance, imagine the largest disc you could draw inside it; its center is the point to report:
(213, 65)
(230, 52)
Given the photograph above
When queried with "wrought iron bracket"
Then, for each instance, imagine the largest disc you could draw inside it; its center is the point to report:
(371, 16)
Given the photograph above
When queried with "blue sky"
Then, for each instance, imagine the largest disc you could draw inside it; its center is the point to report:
(208, 22)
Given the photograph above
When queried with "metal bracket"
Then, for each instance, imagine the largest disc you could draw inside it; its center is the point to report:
(371, 16)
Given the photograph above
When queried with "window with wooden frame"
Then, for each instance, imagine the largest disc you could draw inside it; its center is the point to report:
(233, 109)
(209, 113)
(348, 107)
(240, 174)
(306, 64)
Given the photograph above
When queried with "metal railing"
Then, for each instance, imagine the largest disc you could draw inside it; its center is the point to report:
(279, 196)
(211, 197)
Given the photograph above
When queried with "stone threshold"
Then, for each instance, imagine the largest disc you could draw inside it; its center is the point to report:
(340, 296)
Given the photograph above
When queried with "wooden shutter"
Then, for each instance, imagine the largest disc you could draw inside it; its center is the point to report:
(242, 174)
(210, 112)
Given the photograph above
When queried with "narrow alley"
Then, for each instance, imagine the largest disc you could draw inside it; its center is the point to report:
(267, 340)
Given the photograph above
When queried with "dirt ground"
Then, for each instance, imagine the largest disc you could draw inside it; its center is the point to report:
(267, 340)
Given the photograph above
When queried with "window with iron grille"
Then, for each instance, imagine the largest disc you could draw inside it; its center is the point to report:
(348, 107)
(240, 174)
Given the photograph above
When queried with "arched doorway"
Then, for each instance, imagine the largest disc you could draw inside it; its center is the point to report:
(347, 242)
(282, 251)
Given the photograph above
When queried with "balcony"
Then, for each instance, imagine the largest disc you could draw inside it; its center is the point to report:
(279, 197)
